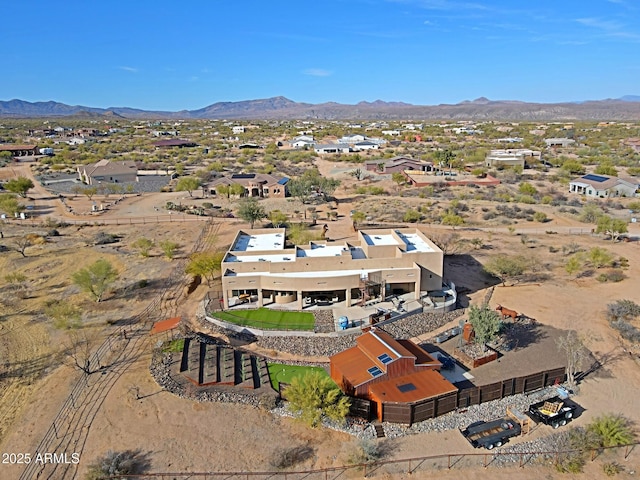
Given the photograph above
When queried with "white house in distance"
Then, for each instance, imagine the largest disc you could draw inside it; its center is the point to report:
(605, 186)
(559, 142)
(511, 157)
(302, 141)
(332, 148)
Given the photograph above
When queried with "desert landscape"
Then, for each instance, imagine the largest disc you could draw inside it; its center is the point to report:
(175, 434)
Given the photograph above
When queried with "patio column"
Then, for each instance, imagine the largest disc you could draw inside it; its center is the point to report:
(299, 293)
(416, 290)
(260, 297)
(347, 296)
(225, 296)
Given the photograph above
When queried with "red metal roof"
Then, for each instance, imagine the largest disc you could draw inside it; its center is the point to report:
(413, 387)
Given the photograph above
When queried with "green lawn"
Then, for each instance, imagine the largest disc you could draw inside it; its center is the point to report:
(266, 319)
(279, 372)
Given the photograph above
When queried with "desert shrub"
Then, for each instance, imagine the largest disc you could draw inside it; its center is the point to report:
(600, 257)
(623, 310)
(103, 238)
(613, 276)
(288, 457)
(489, 216)
(540, 217)
(129, 462)
(365, 451)
(546, 200)
(64, 315)
(571, 248)
(411, 215)
(611, 468)
(611, 430)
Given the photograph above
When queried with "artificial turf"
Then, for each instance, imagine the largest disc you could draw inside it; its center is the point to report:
(267, 319)
(281, 373)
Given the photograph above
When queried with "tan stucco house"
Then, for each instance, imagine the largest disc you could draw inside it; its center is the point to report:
(379, 263)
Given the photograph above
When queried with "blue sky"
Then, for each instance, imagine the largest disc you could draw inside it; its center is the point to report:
(161, 55)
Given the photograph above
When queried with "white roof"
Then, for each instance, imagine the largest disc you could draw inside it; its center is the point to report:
(380, 239)
(261, 258)
(415, 243)
(321, 250)
(319, 273)
(259, 242)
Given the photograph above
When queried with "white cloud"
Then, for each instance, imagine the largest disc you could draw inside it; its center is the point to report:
(317, 72)
(128, 69)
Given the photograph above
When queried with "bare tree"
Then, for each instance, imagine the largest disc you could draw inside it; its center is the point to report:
(573, 347)
(450, 242)
(78, 350)
(20, 245)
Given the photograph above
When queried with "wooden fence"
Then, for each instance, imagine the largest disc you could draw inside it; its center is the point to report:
(417, 412)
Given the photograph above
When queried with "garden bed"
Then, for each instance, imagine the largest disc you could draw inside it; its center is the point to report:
(472, 355)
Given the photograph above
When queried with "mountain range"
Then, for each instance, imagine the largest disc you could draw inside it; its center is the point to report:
(281, 108)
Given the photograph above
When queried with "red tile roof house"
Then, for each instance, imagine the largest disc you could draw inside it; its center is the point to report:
(399, 378)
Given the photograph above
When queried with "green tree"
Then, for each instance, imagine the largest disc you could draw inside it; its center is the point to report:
(315, 395)
(399, 178)
(527, 189)
(278, 218)
(600, 257)
(251, 211)
(9, 204)
(64, 315)
(634, 207)
(205, 264)
(20, 185)
(613, 227)
(143, 245)
(89, 191)
(169, 248)
(606, 169)
(357, 218)
(486, 323)
(573, 167)
(505, 266)
(96, 278)
(591, 211)
(188, 184)
(575, 263)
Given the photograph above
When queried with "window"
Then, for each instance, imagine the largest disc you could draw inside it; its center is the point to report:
(407, 387)
(375, 372)
(385, 358)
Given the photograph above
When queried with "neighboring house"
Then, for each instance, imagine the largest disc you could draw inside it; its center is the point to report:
(511, 157)
(332, 148)
(397, 164)
(238, 129)
(605, 186)
(177, 142)
(391, 133)
(395, 375)
(366, 145)
(510, 140)
(559, 142)
(352, 139)
(379, 263)
(633, 143)
(302, 141)
(106, 171)
(19, 150)
(255, 184)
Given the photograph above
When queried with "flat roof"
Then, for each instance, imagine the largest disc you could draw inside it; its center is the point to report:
(259, 242)
(321, 250)
(378, 239)
(317, 273)
(415, 243)
(261, 258)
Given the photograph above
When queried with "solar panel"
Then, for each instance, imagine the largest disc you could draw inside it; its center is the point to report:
(407, 387)
(375, 371)
(595, 178)
(243, 175)
(385, 358)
